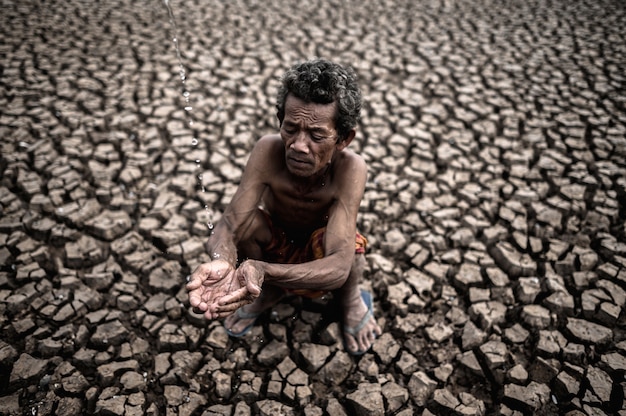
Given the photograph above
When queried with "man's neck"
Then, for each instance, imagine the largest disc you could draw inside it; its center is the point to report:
(313, 182)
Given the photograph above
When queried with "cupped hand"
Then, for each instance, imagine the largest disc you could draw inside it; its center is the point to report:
(250, 276)
(210, 282)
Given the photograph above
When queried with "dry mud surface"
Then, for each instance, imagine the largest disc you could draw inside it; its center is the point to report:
(495, 133)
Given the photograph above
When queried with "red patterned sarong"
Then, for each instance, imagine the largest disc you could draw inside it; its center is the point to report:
(283, 249)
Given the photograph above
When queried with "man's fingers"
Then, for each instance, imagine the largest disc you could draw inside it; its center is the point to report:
(254, 289)
(193, 285)
(229, 309)
(209, 290)
(193, 282)
(209, 315)
(200, 311)
(222, 315)
(235, 296)
(195, 299)
(198, 303)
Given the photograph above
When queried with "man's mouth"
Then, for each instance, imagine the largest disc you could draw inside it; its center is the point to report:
(296, 161)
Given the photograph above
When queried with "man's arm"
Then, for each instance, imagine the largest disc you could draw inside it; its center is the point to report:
(331, 271)
(238, 216)
(218, 278)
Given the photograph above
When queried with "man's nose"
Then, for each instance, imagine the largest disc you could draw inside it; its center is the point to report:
(300, 143)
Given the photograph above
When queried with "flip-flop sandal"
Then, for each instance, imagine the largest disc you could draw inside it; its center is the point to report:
(353, 331)
(241, 314)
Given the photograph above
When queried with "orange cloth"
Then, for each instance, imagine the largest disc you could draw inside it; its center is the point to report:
(284, 249)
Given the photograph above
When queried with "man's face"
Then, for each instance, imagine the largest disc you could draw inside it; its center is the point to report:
(308, 132)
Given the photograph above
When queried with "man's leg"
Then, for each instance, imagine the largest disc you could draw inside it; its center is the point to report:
(270, 296)
(354, 309)
(250, 248)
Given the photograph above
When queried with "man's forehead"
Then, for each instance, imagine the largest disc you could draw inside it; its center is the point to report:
(294, 101)
(295, 106)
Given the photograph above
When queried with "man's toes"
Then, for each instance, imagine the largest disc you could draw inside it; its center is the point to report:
(361, 344)
(351, 344)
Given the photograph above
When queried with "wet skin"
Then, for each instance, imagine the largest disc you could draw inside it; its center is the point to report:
(305, 178)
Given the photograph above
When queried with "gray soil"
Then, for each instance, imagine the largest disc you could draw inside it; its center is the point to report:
(495, 133)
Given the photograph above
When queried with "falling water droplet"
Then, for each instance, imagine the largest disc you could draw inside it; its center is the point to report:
(185, 92)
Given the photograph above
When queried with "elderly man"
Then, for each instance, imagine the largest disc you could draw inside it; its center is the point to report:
(291, 225)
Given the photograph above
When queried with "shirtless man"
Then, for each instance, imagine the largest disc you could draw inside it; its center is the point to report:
(291, 224)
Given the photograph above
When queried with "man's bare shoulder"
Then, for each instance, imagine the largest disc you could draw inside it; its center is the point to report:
(267, 153)
(349, 175)
(269, 142)
(350, 161)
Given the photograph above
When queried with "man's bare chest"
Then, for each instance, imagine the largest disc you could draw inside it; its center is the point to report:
(300, 208)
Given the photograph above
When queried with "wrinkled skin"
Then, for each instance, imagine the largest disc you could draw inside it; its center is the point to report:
(216, 289)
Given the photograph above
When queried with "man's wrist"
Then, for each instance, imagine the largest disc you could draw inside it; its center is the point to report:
(219, 255)
(260, 267)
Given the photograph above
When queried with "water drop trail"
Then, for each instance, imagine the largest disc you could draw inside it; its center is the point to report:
(187, 105)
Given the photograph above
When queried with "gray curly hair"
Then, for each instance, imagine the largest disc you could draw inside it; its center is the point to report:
(323, 82)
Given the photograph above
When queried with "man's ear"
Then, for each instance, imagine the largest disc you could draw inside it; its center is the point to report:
(345, 142)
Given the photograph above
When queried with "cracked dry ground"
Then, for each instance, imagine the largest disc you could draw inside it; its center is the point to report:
(496, 139)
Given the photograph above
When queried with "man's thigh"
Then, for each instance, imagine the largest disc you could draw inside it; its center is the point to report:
(258, 232)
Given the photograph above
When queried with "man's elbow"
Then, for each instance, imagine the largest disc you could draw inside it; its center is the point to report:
(339, 278)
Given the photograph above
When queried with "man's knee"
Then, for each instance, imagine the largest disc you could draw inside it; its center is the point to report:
(358, 266)
(257, 235)
(359, 261)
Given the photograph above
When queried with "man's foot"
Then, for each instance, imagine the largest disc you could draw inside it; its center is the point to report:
(359, 325)
(242, 321)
